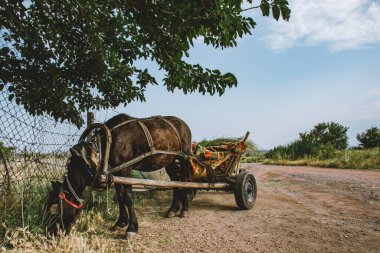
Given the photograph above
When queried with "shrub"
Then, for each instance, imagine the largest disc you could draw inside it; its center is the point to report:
(369, 138)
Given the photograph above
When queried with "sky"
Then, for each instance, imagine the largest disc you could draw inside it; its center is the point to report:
(321, 66)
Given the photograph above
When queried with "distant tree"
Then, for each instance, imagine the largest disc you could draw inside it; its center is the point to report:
(370, 138)
(321, 141)
(278, 152)
(63, 57)
(330, 133)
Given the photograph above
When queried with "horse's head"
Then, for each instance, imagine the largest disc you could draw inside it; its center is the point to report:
(61, 214)
(64, 201)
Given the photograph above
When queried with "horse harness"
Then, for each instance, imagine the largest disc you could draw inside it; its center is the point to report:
(153, 150)
(79, 207)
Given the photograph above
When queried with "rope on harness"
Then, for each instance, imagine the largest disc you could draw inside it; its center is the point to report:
(62, 196)
(147, 134)
(72, 190)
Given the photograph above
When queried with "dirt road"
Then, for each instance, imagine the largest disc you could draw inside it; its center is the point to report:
(298, 209)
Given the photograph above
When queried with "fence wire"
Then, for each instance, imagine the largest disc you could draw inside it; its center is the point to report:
(33, 152)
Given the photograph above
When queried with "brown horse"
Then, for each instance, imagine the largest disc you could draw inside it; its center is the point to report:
(129, 140)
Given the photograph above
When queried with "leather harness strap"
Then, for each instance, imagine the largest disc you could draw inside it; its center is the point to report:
(149, 138)
(123, 123)
(147, 134)
(175, 130)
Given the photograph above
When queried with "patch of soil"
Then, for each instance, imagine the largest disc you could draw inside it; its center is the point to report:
(298, 209)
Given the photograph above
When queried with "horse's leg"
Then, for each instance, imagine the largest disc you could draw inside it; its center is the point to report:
(185, 203)
(133, 225)
(174, 208)
(123, 215)
(184, 173)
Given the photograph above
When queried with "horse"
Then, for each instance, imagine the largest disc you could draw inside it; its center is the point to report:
(130, 139)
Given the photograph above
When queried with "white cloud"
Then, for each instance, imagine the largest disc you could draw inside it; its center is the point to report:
(341, 24)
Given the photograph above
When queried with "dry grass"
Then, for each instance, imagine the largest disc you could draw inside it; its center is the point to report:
(347, 159)
(91, 232)
(22, 240)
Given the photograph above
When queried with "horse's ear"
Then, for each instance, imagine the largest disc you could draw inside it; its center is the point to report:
(74, 151)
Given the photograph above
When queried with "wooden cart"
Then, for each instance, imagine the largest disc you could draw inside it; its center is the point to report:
(241, 183)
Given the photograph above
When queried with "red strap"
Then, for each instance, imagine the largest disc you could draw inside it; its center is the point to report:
(63, 196)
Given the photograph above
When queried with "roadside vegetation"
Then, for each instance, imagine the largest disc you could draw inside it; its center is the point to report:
(326, 146)
(90, 233)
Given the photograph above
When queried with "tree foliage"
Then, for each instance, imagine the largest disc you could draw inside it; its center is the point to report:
(63, 57)
(321, 141)
(330, 133)
(370, 138)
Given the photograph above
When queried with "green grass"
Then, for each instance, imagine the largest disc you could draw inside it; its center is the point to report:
(343, 159)
(21, 216)
(90, 233)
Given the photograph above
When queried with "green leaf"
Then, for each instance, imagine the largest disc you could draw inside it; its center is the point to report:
(276, 12)
(231, 77)
(285, 12)
(265, 7)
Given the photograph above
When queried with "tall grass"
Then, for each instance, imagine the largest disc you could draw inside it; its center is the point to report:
(344, 159)
(21, 217)
(91, 232)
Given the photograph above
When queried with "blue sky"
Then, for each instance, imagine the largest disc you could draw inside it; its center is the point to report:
(322, 65)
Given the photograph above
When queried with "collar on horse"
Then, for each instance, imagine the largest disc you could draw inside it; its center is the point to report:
(62, 195)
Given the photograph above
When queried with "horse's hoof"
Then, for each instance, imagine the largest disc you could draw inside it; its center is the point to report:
(117, 226)
(114, 228)
(183, 214)
(131, 235)
(170, 214)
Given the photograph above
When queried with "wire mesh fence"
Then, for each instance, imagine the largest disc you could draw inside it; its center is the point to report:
(33, 151)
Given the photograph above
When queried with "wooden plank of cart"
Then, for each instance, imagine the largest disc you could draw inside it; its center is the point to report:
(233, 179)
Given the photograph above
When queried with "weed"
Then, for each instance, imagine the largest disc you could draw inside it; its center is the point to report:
(165, 241)
(343, 159)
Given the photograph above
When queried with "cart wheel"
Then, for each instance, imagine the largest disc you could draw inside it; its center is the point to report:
(245, 190)
(191, 194)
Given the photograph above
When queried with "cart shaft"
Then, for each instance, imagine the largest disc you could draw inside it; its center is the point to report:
(169, 184)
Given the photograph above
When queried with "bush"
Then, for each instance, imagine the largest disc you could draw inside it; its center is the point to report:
(369, 138)
(327, 152)
(321, 141)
